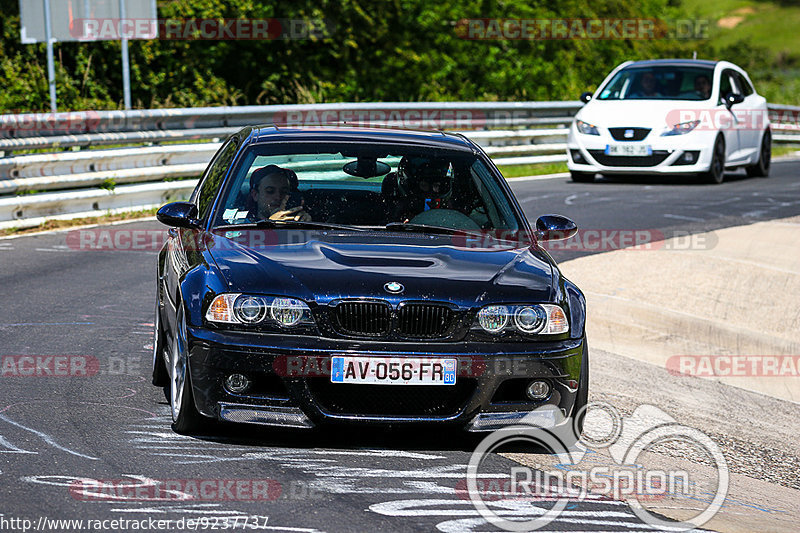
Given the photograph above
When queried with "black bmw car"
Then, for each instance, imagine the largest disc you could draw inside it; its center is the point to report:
(339, 275)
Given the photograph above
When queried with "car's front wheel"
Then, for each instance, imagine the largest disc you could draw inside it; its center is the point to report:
(185, 418)
(582, 177)
(716, 172)
(761, 169)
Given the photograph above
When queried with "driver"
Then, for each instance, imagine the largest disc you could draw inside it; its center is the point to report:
(702, 86)
(270, 187)
(422, 184)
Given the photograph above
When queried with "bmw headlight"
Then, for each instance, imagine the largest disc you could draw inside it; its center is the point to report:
(681, 129)
(527, 319)
(494, 318)
(287, 312)
(586, 128)
(249, 309)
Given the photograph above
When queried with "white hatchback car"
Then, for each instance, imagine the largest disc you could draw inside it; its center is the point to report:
(671, 116)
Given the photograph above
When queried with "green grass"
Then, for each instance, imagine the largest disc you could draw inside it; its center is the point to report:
(517, 171)
(59, 224)
(771, 25)
(783, 149)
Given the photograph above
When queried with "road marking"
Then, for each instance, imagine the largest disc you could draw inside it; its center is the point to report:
(11, 447)
(539, 177)
(682, 217)
(48, 439)
(332, 474)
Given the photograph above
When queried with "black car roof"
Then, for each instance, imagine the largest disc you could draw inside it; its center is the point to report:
(438, 139)
(674, 63)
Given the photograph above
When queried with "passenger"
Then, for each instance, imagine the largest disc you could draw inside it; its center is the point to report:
(420, 184)
(270, 188)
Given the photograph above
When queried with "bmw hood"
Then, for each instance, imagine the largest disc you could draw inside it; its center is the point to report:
(323, 267)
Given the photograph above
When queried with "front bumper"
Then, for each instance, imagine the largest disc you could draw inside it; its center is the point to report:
(670, 155)
(292, 388)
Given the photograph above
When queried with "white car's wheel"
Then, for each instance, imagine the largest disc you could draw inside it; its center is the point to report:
(582, 177)
(716, 172)
(761, 169)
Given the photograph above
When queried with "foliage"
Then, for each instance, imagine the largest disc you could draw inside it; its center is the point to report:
(383, 50)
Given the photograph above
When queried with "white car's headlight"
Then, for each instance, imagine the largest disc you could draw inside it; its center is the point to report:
(528, 319)
(681, 129)
(234, 308)
(586, 128)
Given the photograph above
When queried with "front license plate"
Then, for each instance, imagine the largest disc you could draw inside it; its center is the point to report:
(628, 149)
(393, 370)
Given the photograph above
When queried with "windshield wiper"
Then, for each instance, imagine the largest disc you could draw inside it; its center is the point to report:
(424, 228)
(280, 224)
(267, 223)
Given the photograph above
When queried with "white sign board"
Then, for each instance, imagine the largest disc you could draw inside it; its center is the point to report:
(84, 20)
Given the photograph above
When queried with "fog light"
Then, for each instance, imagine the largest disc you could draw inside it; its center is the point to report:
(538, 390)
(237, 383)
(688, 157)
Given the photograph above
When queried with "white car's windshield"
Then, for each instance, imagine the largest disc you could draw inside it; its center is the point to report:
(660, 83)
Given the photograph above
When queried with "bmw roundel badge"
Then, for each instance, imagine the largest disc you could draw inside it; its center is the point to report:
(393, 287)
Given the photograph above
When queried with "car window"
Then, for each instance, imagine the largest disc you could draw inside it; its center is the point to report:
(366, 185)
(659, 83)
(726, 84)
(744, 86)
(212, 180)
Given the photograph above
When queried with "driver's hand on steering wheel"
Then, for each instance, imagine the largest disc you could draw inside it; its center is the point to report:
(297, 214)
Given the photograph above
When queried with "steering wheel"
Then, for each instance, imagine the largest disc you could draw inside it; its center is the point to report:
(446, 218)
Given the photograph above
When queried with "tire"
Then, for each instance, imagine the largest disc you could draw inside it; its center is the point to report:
(160, 374)
(761, 169)
(716, 172)
(582, 177)
(185, 418)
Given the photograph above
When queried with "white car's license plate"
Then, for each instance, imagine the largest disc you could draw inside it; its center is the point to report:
(628, 149)
(393, 370)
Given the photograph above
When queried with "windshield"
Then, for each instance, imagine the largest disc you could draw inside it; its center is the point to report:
(363, 185)
(659, 83)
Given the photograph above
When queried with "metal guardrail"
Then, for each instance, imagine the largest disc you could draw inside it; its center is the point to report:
(512, 133)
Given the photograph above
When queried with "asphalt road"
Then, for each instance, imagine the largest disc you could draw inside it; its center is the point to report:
(62, 434)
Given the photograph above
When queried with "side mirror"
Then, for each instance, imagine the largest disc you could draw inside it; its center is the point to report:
(731, 99)
(586, 97)
(554, 228)
(179, 214)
